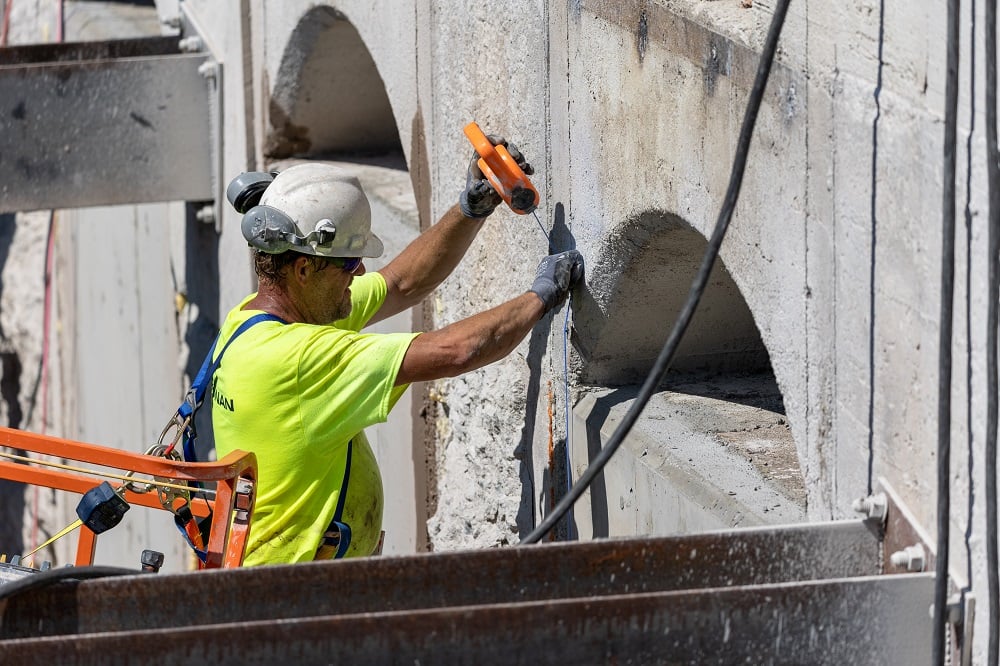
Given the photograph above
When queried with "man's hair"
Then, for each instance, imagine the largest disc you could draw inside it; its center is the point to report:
(271, 268)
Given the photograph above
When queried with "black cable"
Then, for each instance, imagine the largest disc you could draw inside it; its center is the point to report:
(35, 581)
(945, 336)
(993, 292)
(970, 470)
(662, 363)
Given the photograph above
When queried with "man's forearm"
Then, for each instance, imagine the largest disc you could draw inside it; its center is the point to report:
(470, 343)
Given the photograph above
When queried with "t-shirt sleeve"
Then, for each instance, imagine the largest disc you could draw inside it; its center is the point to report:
(348, 379)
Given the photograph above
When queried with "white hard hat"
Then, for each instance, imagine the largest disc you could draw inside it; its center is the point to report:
(310, 208)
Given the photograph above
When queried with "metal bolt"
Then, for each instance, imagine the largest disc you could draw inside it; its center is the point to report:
(209, 69)
(206, 214)
(874, 507)
(911, 558)
(191, 44)
(173, 22)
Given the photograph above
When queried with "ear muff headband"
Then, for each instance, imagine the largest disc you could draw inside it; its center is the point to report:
(270, 230)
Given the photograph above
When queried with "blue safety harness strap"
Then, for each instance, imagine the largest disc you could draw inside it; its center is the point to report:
(338, 533)
(182, 517)
(196, 394)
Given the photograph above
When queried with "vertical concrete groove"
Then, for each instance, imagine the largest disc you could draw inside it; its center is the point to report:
(874, 238)
(806, 462)
(834, 469)
(246, 39)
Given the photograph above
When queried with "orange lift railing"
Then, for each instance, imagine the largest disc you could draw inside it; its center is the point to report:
(224, 490)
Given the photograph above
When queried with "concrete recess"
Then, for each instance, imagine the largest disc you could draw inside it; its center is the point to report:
(828, 286)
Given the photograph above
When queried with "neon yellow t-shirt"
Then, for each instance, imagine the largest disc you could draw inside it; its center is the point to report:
(295, 394)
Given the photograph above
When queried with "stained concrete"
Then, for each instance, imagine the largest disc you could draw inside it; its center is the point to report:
(630, 108)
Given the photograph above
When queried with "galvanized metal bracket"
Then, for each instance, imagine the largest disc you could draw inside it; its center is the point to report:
(197, 40)
(104, 123)
(908, 548)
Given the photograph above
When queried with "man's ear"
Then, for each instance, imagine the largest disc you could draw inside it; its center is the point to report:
(302, 268)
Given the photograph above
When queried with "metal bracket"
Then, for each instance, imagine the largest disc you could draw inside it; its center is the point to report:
(135, 97)
(908, 548)
(195, 39)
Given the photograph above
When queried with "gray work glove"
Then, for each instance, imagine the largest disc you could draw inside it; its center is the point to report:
(479, 199)
(556, 275)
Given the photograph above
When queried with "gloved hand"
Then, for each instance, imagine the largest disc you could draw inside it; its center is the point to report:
(479, 199)
(556, 275)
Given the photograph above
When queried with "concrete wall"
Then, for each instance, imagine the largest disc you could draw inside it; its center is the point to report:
(630, 110)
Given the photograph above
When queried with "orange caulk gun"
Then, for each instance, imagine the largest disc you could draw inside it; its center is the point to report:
(503, 173)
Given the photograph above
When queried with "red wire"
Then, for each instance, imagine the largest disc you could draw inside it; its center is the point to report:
(47, 284)
(46, 329)
(6, 22)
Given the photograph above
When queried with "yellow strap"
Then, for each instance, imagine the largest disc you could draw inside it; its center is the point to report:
(69, 528)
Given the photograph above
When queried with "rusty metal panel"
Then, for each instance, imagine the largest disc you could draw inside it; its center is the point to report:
(877, 620)
(495, 576)
(104, 131)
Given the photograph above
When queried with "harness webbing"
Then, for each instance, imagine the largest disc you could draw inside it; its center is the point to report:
(338, 533)
(189, 528)
(196, 394)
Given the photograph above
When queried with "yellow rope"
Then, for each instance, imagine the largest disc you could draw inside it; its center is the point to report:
(109, 475)
(66, 530)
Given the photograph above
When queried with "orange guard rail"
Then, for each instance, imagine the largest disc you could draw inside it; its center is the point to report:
(234, 478)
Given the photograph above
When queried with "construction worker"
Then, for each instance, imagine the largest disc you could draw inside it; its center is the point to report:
(299, 387)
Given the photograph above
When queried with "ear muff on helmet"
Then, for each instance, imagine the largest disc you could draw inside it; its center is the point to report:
(244, 191)
(269, 230)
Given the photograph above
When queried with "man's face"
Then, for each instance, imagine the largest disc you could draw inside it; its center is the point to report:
(328, 290)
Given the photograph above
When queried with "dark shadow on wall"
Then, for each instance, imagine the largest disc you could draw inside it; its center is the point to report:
(11, 494)
(598, 487)
(526, 518)
(202, 279)
(556, 474)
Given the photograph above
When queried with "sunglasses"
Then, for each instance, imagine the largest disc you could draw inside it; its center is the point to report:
(347, 264)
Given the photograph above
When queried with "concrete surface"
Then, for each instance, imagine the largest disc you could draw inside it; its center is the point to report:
(630, 111)
(698, 460)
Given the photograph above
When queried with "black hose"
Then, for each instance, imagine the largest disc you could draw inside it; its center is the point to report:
(945, 336)
(993, 293)
(662, 363)
(35, 581)
(970, 366)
